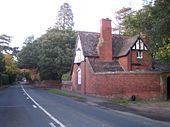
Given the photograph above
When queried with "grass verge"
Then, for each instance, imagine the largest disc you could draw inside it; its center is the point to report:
(125, 102)
(66, 94)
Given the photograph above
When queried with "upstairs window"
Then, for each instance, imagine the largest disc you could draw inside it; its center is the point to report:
(139, 54)
(78, 54)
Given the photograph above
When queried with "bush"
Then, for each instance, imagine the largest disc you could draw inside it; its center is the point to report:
(4, 79)
(66, 77)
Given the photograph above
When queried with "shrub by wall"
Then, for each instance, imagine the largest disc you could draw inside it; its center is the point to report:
(4, 79)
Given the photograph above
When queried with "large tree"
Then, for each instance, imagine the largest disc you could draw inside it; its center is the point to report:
(120, 17)
(55, 54)
(51, 54)
(65, 18)
(10, 67)
(4, 43)
(28, 56)
(153, 20)
(7, 64)
(2, 64)
(5, 40)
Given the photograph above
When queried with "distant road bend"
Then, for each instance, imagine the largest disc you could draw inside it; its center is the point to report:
(25, 106)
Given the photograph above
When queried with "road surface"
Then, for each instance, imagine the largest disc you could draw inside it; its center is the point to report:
(25, 106)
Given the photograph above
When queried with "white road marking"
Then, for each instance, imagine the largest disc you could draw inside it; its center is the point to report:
(52, 125)
(47, 113)
(34, 106)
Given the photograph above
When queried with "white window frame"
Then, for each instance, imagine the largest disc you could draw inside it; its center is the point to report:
(78, 54)
(79, 76)
(139, 55)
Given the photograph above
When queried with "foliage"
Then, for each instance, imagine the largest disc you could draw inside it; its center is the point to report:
(4, 42)
(120, 17)
(66, 94)
(51, 54)
(66, 77)
(56, 54)
(120, 101)
(65, 18)
(27, 75)
(2, 64)
(153, 20)
(28, 56)
(4, 79)
(4, 45)
(10, 65)
(29, 40)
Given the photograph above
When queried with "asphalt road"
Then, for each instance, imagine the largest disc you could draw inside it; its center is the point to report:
(24, 106)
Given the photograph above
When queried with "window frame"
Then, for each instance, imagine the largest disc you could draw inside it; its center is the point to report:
(139, 54)
(79, 76)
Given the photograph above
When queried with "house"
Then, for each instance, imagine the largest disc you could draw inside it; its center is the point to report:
(111, 65)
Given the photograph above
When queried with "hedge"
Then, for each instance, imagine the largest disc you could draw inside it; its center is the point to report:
(4, 79)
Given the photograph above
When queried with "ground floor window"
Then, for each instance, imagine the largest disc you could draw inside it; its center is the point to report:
(79, 76)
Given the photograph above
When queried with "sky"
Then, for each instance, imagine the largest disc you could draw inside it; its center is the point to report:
(22, 18)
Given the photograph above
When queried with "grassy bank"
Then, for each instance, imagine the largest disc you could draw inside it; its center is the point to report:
(125, 102)
(66, 94)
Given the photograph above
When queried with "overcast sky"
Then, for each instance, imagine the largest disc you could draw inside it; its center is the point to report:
(22, 18)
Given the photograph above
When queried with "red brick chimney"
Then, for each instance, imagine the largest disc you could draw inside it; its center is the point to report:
(105, 43)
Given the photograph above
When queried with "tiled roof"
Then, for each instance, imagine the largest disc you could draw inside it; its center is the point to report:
(121, 44)
(101, 66)
(89, 41)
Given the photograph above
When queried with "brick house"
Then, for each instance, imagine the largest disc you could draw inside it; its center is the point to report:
(111, 65)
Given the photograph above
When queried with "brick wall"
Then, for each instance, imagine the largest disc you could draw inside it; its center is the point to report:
(141, 84)
(74, 78)
(130, 61)
(144, 85)
(124, 62)
(145, 62)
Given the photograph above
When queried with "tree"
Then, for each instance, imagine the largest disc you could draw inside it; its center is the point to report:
(153, 20)
(28, 56)
(120, 17)
(4, 45)
(10, 67)
(65, 18)
(2, 64)
(56, 54)
(51, 54)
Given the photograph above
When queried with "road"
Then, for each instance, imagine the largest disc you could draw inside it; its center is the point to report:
(24, 106)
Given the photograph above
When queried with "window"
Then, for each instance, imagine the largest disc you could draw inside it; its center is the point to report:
(139, 54)
(79, 76)
(78, 53)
